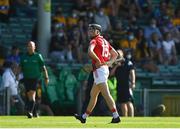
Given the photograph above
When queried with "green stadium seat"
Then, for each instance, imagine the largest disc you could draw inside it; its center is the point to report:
(70, 87)
(52, 94)
(158, 82)
(14, 25)
(82, 75)
(17, 30)
(138, 84)
(60, 91)
(142, 74)
(171, 82)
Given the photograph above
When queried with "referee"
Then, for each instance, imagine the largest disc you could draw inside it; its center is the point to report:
(32, 65)
(124, 72)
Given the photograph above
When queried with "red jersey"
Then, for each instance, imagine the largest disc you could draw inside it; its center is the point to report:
(102, 49)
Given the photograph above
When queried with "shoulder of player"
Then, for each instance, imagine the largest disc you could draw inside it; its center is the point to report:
(37, 54)
(93, 41)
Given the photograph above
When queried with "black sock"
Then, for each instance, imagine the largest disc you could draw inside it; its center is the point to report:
(32, 104)
(35, 109)
(27, 107)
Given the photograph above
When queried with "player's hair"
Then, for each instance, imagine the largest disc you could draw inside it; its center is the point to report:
(95, 26)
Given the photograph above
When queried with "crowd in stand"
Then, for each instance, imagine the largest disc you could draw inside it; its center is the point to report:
(150, 32)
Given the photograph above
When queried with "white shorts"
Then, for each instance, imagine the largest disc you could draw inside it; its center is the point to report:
(101, 74)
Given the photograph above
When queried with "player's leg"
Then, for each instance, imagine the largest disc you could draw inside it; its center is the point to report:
(110, 102)
(124, 109)
(30, 85)
(130, 109)
(31, 103)
(93, 100)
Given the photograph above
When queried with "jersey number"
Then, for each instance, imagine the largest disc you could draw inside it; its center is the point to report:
(105, 49)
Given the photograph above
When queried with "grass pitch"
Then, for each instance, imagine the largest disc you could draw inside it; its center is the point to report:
(92, 122)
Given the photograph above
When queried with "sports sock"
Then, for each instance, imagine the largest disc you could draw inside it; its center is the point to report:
(86, 114)
(115, 113)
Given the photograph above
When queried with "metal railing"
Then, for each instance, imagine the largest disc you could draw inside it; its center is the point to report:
(151, 98)
(5, 101)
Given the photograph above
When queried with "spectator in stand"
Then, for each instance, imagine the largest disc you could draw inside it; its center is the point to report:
(173, 30)
(111, 9)
(117, 33)
(102, 19)
(10, 79)
(165, 9)
(82, 5)
(145, 6)
(133, 10)
(151, 29)
(132, 24)
(73, 19)
(59, 17)
(90, 16)
(142, 54)
(14, 56)
(176, 29)
(59, 47)
(75, 42)
(176, 18)
(169, 50)
(4, 10)
(129, 42)
(96, 3)
(155, 48)
(79, 35)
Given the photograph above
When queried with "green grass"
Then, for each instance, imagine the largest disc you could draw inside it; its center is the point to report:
(92, 122)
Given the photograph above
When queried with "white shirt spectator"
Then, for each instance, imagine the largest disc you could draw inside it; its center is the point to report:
(9, 80)
(168, 47)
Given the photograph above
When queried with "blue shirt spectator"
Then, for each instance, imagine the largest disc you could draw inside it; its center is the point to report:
(14, 56)
(152, 28)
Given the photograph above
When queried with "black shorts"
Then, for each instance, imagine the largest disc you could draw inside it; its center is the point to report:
(31, 84)
(124, 96)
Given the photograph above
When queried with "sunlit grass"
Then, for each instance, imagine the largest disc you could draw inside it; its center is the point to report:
(92, 122)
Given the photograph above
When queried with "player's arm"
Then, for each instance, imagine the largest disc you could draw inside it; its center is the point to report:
(41, 62)
(132, 78)
(113, 57)
(113, 70)
(45, 75)
(93, 55)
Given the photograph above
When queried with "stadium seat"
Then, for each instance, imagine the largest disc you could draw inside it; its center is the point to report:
(158, 82)
(82, 75)
(51, 93)
(70, 87)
